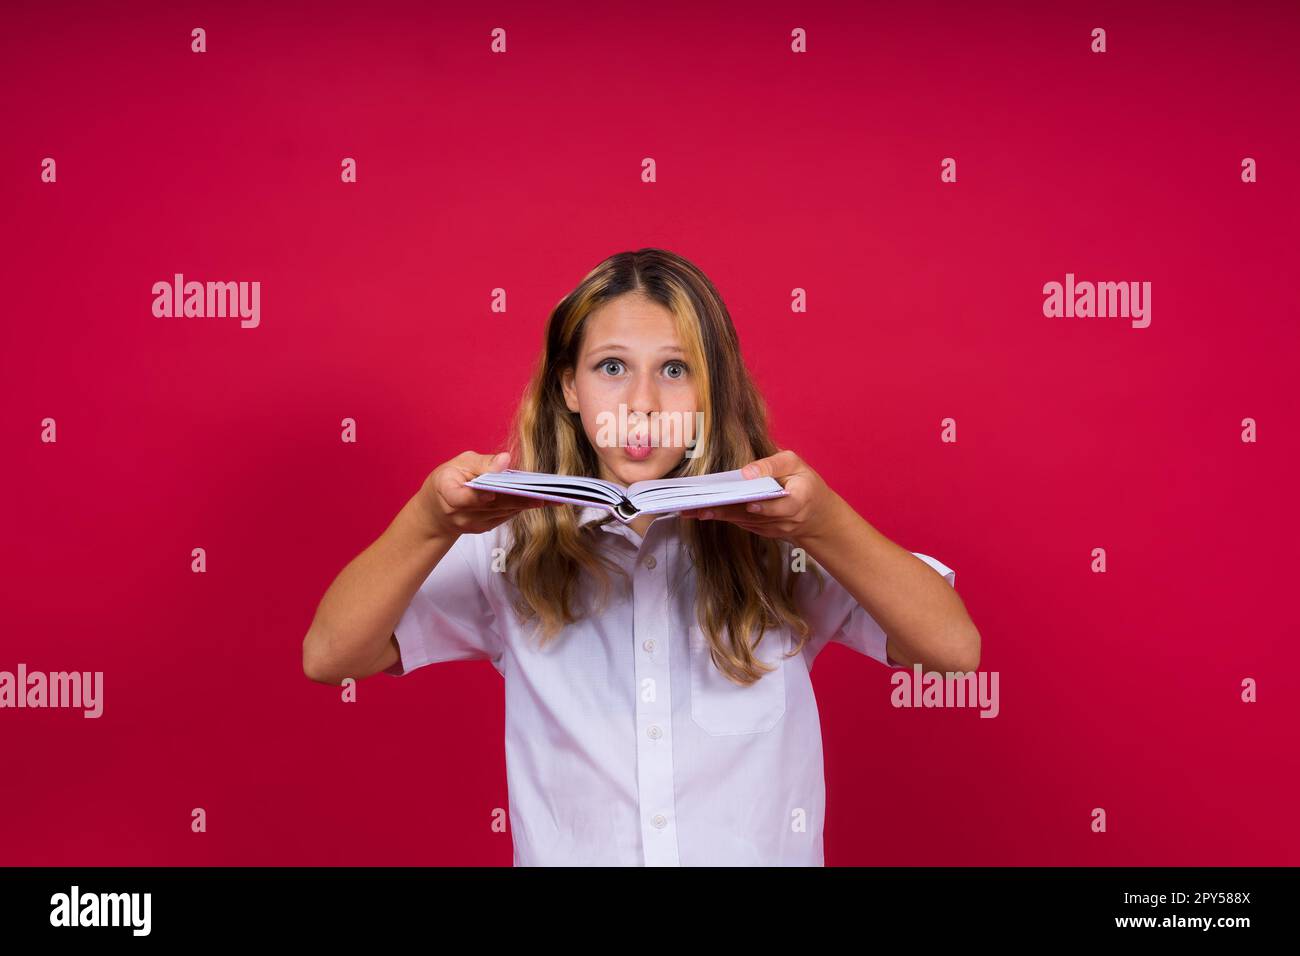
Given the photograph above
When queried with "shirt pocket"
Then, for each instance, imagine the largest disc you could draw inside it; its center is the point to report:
(721, 707)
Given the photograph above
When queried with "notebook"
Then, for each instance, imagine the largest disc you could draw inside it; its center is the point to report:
(652, 497)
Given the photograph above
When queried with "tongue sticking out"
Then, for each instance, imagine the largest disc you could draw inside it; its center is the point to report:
(638, 447)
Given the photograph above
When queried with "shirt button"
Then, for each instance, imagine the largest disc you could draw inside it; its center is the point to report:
(650, 562)
(655, 732)
(649, 645)
(659, 820)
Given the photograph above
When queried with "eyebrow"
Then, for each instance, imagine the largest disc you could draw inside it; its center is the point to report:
(611, 346)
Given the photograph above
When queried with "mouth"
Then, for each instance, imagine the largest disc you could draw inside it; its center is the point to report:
(638, 447)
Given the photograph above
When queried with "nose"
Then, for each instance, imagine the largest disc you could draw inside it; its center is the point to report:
(642, 397)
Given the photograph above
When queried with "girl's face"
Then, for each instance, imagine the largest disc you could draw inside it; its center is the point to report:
(631, 356)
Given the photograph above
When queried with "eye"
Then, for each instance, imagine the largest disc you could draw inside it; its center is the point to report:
(607, 363)
(680, 365)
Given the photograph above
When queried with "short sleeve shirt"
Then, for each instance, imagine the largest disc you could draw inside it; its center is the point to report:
(625, 745)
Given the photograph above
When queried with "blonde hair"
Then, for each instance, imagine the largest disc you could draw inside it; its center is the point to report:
(744, 583)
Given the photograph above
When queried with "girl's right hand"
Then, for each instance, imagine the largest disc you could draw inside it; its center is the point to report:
(454, 509)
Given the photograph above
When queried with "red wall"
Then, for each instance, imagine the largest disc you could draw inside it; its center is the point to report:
(775, 171)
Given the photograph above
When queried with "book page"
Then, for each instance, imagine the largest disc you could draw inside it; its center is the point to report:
(581, 487)
(719, 477)
(687, 500)
(547, 478)
(719, 494)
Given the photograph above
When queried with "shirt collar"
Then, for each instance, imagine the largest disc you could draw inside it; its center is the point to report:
(590, 513)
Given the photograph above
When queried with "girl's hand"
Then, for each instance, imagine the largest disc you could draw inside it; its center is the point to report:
(804, 513)
(452, 508)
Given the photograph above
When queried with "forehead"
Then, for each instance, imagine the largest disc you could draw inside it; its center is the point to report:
(633, 322)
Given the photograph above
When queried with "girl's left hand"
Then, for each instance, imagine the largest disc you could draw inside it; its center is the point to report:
(804, 513)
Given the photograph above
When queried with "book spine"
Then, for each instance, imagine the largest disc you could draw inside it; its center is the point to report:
(625, 509)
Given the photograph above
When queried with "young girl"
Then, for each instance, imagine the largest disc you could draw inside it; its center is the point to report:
(659, 709)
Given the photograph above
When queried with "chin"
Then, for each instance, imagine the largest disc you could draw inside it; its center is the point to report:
(626, 472)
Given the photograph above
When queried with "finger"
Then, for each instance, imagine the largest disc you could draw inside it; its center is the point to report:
(719, 512)
(785, 507)
(472, 464)
(692, 513)
(502, 506)
(735, 512)
(461, 496)
(777, 466)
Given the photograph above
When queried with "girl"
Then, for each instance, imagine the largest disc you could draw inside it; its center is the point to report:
(659, 709)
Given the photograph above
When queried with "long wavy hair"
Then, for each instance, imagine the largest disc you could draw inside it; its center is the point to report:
(744, 583)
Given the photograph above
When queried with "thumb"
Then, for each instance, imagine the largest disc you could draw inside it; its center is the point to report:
(497, 462)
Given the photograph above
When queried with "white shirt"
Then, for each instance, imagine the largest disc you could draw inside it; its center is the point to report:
(625, 745)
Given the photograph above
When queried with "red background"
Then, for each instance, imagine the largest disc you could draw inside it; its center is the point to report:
(775, 171)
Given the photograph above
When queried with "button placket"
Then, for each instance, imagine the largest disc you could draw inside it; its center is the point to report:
(654, 740)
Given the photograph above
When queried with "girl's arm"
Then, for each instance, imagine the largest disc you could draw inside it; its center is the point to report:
(922, 614)
(352, 632)
(923, 618)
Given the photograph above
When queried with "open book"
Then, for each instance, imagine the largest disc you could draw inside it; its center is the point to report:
(656, 496)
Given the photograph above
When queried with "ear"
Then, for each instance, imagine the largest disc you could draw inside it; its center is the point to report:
(570, 392)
